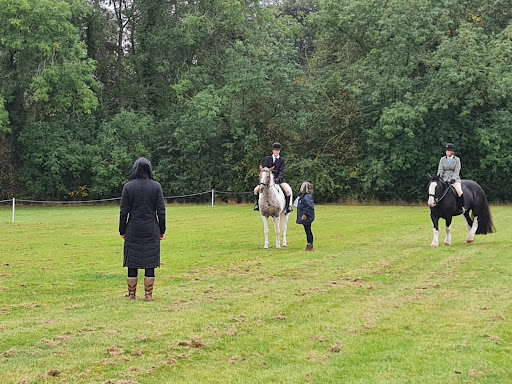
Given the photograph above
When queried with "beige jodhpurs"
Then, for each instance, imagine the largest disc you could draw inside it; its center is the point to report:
(458, 188)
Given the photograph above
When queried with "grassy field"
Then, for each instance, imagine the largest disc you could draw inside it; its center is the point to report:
(372, 304)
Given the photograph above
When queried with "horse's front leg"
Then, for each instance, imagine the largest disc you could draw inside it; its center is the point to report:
(277, 228)
(435, 222)
(448, 237)
(265, 230)
(472, 231)
(285, 228)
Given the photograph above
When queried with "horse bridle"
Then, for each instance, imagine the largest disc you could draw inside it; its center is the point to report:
(437, 200)
(266, 185)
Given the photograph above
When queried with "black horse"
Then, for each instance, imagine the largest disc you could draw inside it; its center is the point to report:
(443, 203)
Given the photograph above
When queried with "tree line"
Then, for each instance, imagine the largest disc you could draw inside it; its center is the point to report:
(362, 94)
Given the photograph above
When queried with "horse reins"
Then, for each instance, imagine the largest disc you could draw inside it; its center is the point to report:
(440, 197)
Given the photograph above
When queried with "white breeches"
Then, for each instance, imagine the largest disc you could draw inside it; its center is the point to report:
(286, 188)
(458, 188)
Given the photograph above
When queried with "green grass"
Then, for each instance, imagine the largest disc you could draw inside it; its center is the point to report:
(372, 304)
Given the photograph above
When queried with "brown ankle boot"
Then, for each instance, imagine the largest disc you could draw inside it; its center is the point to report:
(132, 287)
(149, 282)
(309, 247)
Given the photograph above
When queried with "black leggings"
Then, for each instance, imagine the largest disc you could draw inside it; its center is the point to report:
(149, 272)
(309, 234)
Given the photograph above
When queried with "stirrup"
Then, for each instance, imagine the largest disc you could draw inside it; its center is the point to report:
(256, 207)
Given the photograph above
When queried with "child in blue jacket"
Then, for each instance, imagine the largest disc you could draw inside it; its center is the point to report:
(306, 211)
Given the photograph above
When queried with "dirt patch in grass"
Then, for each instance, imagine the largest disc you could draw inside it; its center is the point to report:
(192, 343)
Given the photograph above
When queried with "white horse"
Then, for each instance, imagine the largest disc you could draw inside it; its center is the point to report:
(272, 203)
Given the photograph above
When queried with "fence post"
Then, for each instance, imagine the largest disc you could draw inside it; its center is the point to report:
(213, 197)
(13, 208)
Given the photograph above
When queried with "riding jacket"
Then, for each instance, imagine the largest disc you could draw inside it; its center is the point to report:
(278, 171)
(451, 171)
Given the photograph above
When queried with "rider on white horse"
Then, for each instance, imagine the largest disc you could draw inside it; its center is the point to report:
(449, 171)
(277, 161)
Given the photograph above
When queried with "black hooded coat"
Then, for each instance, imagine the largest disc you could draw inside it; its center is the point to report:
(142, 217)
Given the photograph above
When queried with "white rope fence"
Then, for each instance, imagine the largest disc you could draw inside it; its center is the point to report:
(212, 192)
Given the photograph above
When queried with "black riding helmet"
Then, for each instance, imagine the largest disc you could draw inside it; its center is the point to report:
(276, 146)
(449, 147)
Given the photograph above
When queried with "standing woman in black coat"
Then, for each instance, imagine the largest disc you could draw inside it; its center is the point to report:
(142, 226)
(306, 212)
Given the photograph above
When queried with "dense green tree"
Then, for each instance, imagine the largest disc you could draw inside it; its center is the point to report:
(46, 79)
(43, 61)
(56, 158)
(231, 69)
(422, 75)
(362, 94)
(118, 144)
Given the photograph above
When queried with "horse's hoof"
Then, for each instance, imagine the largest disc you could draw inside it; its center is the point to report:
(469, 241)
(433, 245)
(278, 247)
(447, 244)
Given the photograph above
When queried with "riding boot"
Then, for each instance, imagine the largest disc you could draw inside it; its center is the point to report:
(460, 201)
(287, 204)
(149, 282)
(257, 206)
(132, 287)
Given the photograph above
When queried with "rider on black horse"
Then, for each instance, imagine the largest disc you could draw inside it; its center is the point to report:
(449, 171)
(275, 160)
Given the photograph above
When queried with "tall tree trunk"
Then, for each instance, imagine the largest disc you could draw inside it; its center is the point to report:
(120, 52)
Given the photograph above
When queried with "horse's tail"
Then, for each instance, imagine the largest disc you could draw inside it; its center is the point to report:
(485, 224)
